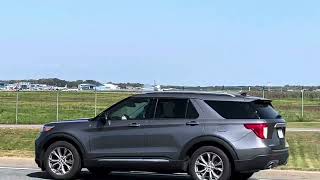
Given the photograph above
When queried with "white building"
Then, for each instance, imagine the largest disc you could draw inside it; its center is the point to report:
(87, 87)
(108, 87)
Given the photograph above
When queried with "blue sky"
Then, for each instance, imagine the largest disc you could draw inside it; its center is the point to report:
(173, 42)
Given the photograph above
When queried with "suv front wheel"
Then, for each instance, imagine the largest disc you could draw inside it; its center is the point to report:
(209, 163)
(62, 160)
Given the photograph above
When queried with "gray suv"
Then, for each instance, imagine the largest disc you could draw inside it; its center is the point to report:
(209, 136)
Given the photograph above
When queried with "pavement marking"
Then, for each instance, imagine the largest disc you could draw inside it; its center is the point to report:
(17, 168)
(303, 129)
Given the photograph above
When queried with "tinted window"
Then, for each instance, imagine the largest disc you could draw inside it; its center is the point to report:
(191, 111)
(243, 110)
(265, 110)
(171, 108)
(132, 109)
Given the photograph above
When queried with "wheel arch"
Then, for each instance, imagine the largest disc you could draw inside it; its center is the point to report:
(218, 142)
(67, 138)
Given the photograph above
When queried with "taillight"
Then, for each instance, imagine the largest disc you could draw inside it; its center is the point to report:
(260, 129)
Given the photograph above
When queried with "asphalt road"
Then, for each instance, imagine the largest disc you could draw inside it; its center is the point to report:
(7, 173)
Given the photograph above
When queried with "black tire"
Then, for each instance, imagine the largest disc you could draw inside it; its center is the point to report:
(242, 176)
(75, 168)
(226, 174)
(99, 171)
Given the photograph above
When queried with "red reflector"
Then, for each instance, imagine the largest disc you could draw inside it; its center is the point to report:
(261, 130)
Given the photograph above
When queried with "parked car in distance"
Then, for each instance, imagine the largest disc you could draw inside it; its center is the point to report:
(210, 136)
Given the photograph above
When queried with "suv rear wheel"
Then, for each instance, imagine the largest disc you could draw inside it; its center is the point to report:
(62, 160)
(209, 163)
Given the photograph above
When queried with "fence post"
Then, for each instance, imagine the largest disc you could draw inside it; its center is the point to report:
(95, 102)
(57, 105)
(17, 106)
(302, 102)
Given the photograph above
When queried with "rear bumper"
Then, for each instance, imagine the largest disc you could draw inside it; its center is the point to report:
(261, 162)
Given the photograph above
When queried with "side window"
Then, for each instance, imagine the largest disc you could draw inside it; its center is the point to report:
(191, 111)
(133, 109)
(171, 108)
(233, 110)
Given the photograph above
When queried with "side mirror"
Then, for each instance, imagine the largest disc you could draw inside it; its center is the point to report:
(106, 119)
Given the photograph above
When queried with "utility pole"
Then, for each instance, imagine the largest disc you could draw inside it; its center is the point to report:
(95, 101)
(17, 106)
(302, 102)
(57, 105)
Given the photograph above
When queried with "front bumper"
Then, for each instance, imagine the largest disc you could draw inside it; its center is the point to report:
(38, 152)
(261, 162)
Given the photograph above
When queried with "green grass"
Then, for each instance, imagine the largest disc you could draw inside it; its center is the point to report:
(17, 143)
(304, 151)
(304, 147)
(40, 107)
(290, 109)
(303, 124)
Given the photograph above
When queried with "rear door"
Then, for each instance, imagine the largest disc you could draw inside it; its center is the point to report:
(175, 123)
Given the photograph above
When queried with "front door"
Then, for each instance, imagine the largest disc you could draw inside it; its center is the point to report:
(123, 135)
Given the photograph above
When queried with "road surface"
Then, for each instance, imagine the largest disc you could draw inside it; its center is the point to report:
(25, 169)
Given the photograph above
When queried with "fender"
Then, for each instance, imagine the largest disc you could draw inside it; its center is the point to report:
(68, 137)
(209, 138)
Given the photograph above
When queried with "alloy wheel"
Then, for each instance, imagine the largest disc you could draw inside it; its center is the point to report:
(209, 166)
(61, 160)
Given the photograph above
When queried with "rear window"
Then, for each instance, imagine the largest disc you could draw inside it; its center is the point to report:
(244, 110)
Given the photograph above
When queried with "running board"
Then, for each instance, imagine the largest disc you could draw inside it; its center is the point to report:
(135, 160)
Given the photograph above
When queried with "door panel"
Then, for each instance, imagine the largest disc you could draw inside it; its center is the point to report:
(166, 138)
(124, 133)
(176, 123)
(120, 139)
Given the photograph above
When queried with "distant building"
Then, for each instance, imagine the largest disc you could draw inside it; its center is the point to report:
(108, 87)
(23, 85)
(2, 85)
(86, 87)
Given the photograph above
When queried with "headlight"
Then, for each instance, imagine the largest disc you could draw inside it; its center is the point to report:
(47, 128)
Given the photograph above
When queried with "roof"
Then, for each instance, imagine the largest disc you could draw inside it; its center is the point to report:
(202, 95)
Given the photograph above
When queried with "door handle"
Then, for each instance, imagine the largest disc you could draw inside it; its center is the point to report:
(192, 123)
(134, 125)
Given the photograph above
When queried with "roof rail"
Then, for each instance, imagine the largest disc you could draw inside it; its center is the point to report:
(225, 93)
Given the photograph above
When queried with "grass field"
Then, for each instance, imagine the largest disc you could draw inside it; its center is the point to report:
(41, 107)
(304, 147)
(303, 124)
(304, 151)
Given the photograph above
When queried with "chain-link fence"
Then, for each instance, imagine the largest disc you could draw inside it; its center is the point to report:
(43, 107)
